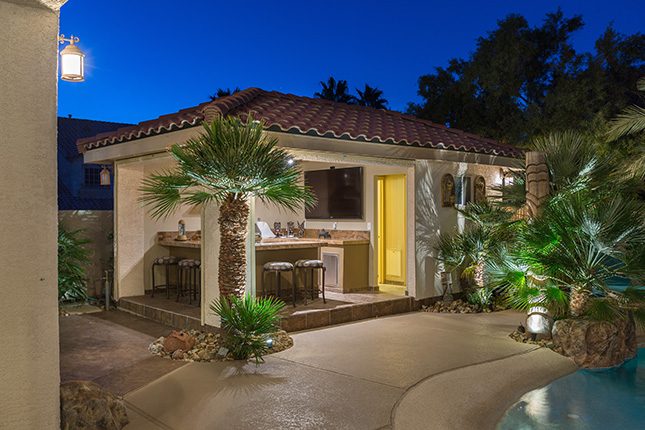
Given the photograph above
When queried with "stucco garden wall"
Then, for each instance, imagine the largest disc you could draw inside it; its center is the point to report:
(98, 228)
(29, 366)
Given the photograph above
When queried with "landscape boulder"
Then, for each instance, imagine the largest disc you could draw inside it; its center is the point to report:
(595, 344)
(178, 340)
(84, 405)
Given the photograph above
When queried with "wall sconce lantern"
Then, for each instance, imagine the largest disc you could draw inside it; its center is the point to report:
(105, 176)
(72, 67)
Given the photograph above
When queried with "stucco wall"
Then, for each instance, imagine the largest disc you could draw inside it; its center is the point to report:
(29, 367)
(371, 170)
(98, 228)
(431, 219)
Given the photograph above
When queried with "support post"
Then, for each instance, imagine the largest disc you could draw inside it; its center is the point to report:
(537, 182)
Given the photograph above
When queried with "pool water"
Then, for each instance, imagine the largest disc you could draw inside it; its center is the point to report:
(586, 399)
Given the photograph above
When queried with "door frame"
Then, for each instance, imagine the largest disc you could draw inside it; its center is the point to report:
(379, 215)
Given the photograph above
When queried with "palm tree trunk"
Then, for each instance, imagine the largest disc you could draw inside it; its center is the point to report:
(233, 222)
(578, 301)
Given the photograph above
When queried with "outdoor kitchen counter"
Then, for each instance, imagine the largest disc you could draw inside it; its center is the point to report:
(269, 244)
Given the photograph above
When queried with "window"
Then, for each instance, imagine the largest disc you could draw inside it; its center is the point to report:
(92, 175)
(463, 188)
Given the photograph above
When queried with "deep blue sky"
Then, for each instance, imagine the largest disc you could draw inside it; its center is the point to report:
(146, 58)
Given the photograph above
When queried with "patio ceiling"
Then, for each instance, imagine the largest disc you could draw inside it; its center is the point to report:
(314, 117)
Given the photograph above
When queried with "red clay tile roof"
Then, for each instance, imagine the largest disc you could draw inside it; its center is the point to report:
(304, 115)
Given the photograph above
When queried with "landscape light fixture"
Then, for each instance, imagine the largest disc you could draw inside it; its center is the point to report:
(72, 58)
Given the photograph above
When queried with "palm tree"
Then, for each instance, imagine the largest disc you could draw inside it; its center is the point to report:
(223, 92)
(229, 163)
(336, 91)
(371, 97)
(631, 120)
(567, 257)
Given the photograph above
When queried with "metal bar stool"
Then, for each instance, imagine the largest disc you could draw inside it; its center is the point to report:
(189, 278)
(312, 266)
(166, 262)
(278, 267)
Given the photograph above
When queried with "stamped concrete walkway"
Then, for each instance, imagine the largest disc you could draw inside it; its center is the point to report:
(417, 370)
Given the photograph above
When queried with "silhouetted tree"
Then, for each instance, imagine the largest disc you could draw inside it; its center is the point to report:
(336, 91)
(523, 81)
(223, 92)
(371, 97)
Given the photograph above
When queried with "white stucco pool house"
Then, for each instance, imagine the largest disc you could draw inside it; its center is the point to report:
(423, 168)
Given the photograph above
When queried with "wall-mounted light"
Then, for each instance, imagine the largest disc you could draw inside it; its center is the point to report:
(105, 176)
(72, 67)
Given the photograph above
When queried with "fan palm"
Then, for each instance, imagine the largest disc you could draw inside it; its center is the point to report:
(371, 97)
(336, 91)
(229, 163)
(580, 243)
(631, 120)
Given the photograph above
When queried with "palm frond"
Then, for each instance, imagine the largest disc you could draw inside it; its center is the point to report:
(229, 157)
(630, 121)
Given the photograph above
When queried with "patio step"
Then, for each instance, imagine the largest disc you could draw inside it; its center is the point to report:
(316, 318)
(178, 318)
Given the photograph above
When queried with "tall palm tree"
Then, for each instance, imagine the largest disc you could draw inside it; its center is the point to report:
(336, 91)
(229, 163)
(371, 97)
(223, 92)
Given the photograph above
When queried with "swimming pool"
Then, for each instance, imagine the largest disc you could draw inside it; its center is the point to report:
(586, 399)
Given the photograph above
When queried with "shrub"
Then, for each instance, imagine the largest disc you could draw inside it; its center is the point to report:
(247, 323)
(72, 261)
(481, 297)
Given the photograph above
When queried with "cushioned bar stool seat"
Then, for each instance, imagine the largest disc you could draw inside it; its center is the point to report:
(312, 266)
(189, 278)
(277, 267)
(166, 262)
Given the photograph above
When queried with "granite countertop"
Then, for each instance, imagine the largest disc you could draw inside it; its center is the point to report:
(270, 244)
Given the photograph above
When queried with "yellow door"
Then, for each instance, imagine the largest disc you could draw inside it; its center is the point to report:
(391, 218)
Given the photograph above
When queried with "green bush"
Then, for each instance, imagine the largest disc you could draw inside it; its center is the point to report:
(481, 297)
(73, 258)
(247, 323)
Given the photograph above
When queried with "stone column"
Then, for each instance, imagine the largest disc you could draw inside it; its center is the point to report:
(29, 356)
(537, 182)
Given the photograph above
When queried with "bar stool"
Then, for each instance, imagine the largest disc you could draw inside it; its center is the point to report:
(311, 265)
(167, 262)
(188, 278)
(278, 267)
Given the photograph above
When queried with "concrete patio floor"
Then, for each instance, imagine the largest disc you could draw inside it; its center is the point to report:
(379, 373)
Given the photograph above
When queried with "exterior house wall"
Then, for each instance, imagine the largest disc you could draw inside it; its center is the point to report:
(371, 169)
(432, 219)
(29, 364)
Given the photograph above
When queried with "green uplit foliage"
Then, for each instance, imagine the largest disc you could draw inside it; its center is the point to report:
(73, 258)
(247, 323)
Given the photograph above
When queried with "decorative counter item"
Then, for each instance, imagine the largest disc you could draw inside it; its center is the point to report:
(301, 230)
(290, 228)
(277, 229)
(181, 231)
(324, 234)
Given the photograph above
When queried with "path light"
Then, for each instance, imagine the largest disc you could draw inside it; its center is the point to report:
(269, 343)
(105, 176)
(72, 60)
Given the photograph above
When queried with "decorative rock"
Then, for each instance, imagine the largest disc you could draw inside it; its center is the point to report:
(178, 340)
(595, 344)
(207, 346)
(85, 405)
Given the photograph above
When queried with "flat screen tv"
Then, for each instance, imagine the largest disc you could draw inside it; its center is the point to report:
(339, 193)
